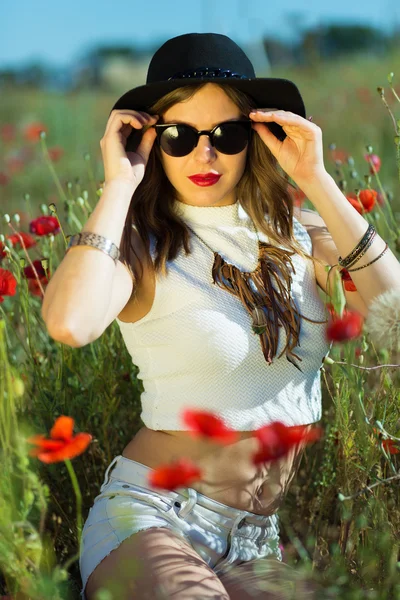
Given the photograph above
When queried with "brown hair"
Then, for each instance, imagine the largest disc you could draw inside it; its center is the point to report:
(263, 189)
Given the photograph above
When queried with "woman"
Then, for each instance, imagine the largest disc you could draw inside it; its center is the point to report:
(218, 306)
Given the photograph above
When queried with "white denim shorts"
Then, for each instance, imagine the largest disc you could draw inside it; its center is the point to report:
(223, 536)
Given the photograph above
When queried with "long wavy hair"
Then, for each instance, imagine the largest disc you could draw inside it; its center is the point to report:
(263, 189)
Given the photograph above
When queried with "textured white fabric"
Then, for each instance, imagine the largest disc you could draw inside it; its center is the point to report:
(196, 348)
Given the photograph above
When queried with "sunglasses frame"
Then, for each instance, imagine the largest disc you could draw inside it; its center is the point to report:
(160, 128)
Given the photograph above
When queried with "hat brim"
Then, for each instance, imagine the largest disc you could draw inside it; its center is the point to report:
(267, 92)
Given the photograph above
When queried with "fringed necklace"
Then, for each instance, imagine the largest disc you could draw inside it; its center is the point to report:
(269, 307)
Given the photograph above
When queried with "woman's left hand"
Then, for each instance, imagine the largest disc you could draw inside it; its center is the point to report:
(300, 154)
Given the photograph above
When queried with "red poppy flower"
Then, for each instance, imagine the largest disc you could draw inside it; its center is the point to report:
(8, 284)
(298, 196)
(55, 153)
(364, 95)
(347, 281)
(206, 424)
(338, 154)
(14, 164)
(4, 179)
(376, 161)
(7, 132)
(44, 225)
(180, 473)
(29, 272)
(390, 446)
(277, 439)
(62, 444)
(28, 240)
(32, 131)
(367, 200)
(346, 327)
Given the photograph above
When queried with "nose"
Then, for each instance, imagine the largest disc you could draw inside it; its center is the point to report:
(204, 151)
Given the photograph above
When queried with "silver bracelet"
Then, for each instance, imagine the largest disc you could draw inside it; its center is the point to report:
(87, 238)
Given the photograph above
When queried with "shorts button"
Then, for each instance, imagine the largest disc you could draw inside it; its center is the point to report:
(177, 503)
(125, 486)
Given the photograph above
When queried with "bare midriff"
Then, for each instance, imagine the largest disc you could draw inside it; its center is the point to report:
(228, 474)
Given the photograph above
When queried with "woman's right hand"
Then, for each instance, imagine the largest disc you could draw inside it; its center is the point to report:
(119, 164)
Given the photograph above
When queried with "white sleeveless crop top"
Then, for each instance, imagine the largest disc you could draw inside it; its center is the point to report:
(196, 347)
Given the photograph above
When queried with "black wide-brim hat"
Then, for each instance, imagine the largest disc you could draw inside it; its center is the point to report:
(210, 57)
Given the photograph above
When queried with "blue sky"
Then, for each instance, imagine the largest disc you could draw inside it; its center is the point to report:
(58, 33)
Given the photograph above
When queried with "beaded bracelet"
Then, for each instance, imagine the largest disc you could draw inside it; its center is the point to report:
(372, 261)
(350, 258)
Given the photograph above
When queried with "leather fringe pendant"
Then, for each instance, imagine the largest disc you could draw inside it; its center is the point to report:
(270, 307)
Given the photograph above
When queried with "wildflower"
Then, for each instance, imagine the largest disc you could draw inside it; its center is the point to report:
(348, 283)
(383, 319)
(366, 201)
(7, 132)
(338, 154)
(180, 473)
(28, 240)
(8, 284)
(376, 161)
(4, 179)
(62, 444)
(346, 327)
(29, 272)
(14, 164)
(277, 439)
(206, 424)
(55, 153)
(390, 446)
(44, 225)
(298, 196)
(32, 131)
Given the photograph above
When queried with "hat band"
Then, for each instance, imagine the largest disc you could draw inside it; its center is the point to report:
(208, 72)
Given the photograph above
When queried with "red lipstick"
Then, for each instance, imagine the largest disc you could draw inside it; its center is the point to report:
(206, 179)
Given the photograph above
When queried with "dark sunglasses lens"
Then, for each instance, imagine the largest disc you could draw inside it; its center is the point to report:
(231, 138)
(178, 140)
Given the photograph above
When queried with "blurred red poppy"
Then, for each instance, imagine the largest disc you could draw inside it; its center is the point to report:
(28, 240)
(180, 473)
(346, 327)
(29, 272)
(348, 283)
(7, 132)
(206, 424)
(8, 284)
(55, 153)
(62, 444)
(32, 131)
(4, 179)
(277, 439)
(376, 161)
(390, 446)
(44, 225)
(367, 199)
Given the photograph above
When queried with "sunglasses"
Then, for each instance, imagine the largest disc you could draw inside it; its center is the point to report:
(179, 139)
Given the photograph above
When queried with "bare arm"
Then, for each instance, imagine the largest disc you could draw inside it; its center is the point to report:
(78, 295)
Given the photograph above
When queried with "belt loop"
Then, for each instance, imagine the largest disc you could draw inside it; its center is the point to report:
(107, 472)
(188, 504)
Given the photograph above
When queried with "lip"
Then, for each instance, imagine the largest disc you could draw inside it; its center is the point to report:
(205, 180)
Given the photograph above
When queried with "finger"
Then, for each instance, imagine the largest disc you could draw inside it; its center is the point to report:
(135, 119)
(116, 124)
(269, 139)
(146, 143)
